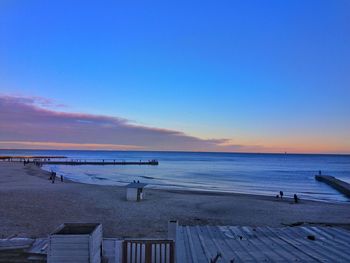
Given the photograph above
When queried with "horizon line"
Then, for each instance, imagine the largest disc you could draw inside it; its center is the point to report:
(175, 151)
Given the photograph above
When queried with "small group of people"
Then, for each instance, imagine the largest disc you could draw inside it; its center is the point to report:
(53, 177)
(280, 195)
(38, 164)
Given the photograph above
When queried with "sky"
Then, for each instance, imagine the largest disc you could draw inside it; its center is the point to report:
(241, 76)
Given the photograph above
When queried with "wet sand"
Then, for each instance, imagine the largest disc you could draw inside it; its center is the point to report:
(31, 206)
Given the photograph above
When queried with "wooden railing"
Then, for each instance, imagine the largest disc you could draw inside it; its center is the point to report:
(148, 251)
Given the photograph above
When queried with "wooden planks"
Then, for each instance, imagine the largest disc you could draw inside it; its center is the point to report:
(262, 244)
(74, 242)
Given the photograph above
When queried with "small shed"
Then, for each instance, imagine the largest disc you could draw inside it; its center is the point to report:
(134, 191)
(76, 242)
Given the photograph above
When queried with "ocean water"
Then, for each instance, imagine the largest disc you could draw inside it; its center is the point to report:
(263, 174)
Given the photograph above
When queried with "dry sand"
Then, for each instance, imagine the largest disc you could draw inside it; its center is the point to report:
(31, 206)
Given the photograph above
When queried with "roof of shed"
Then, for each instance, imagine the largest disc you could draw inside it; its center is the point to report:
(197, 244)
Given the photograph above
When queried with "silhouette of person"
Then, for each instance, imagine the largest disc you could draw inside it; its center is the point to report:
(296, 199)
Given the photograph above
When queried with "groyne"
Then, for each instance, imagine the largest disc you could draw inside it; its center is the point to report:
(337, 184)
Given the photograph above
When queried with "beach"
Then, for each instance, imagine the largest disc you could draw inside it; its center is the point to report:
(31, 206)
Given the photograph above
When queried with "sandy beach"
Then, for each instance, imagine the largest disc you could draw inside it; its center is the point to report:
(31, 206)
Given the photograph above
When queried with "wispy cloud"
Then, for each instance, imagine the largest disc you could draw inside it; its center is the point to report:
(33, 100)
(62, 146)
(26, 122)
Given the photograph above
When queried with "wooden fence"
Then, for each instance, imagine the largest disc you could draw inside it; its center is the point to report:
(148, 251)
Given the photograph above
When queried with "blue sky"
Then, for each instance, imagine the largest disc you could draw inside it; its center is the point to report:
(267, 73)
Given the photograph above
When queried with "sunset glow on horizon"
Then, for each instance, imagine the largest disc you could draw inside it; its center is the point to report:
(234, 76)
(25, 125)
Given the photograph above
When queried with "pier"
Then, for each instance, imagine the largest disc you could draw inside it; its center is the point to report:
(340, 185)
(98, 162)
(62, 160)
(20, 158)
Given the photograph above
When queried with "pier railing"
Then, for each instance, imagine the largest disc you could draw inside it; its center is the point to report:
(77, 161)
(98, 162)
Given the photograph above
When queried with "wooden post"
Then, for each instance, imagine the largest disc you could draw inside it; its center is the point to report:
(125, 252)
(148, 252)
(172, 254)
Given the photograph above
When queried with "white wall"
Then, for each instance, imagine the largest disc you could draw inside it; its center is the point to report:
(131, 194)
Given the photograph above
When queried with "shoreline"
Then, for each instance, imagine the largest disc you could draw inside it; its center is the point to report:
(195, 192)
(30, 205)
(214, 192)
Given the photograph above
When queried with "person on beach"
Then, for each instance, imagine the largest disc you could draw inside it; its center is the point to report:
(53, 177)
(281, 194)
(296, 199)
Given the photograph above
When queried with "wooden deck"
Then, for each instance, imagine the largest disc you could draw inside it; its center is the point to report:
(196, 244)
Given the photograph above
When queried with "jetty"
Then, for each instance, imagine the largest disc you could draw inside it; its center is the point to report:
(62, 160)
(97, 162)
(340, 185)
(16, 158)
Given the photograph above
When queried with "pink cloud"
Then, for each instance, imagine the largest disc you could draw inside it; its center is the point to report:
(35, 100)
(25, 120)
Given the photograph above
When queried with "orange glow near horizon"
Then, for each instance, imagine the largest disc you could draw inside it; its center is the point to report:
(24, 125)
(313, 149)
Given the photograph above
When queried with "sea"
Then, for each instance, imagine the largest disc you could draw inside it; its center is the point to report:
(248, 173)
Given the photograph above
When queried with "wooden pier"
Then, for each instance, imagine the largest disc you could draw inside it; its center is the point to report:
(62, 160)
(98, 162)
(340, 185)
(16, 158)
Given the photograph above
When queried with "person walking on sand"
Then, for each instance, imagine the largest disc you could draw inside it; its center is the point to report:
(281, 194)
